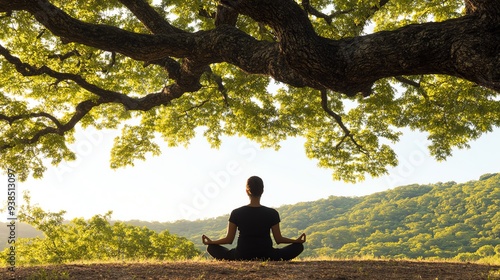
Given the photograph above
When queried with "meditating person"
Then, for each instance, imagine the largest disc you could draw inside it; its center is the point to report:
(254, 223)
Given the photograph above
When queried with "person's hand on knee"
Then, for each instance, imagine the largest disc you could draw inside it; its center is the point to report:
(206, 240)
(301, 239)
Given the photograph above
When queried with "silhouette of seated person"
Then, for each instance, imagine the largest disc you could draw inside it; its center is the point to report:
(254, 223)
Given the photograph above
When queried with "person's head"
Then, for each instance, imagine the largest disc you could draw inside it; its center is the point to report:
(255, 186)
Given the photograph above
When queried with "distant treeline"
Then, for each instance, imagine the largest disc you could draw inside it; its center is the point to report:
(442, 220)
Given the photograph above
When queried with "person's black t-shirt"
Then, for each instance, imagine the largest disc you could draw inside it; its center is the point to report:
(254, 225)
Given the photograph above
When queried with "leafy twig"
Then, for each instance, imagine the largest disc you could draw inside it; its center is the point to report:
(338, 119)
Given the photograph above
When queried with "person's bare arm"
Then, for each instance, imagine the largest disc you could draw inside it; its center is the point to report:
(280, 239)
(231, 233)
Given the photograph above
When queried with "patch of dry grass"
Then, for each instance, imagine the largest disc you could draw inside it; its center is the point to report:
(303, 269)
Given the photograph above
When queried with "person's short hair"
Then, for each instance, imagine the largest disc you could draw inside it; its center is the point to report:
(255, 186)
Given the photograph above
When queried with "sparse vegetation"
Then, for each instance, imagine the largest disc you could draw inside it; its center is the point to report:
(44, 274)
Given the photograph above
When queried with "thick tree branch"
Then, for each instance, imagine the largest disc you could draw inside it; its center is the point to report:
(189, 73)
(306, 4)
(487, 9)
(29, 70)
(150, 18)
(143, 47)
(407, 81)
(157, 25)
(328, 18)
(354, 64)
(225, 16)
(301, 58)
(83, 108)
(12, 119)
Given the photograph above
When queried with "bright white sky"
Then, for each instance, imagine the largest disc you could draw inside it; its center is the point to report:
(200, 182)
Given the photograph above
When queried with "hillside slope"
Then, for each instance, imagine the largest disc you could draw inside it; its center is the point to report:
(442, 220)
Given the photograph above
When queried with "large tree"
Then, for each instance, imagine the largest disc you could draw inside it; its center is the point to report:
(264, 69)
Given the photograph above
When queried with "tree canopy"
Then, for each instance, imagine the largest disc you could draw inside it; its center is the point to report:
(263, 69)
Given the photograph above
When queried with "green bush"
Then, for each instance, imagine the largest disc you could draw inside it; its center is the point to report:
(93, 239)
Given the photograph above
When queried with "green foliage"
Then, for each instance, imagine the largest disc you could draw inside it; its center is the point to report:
(448, 125)
(399, 13)
(249, 105)
(443, 220)
(95, 239)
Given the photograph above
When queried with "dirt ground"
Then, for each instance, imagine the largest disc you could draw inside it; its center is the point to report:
(334, 270)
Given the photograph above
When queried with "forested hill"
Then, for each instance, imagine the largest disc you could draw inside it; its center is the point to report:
(417, 221)
(443, 220)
